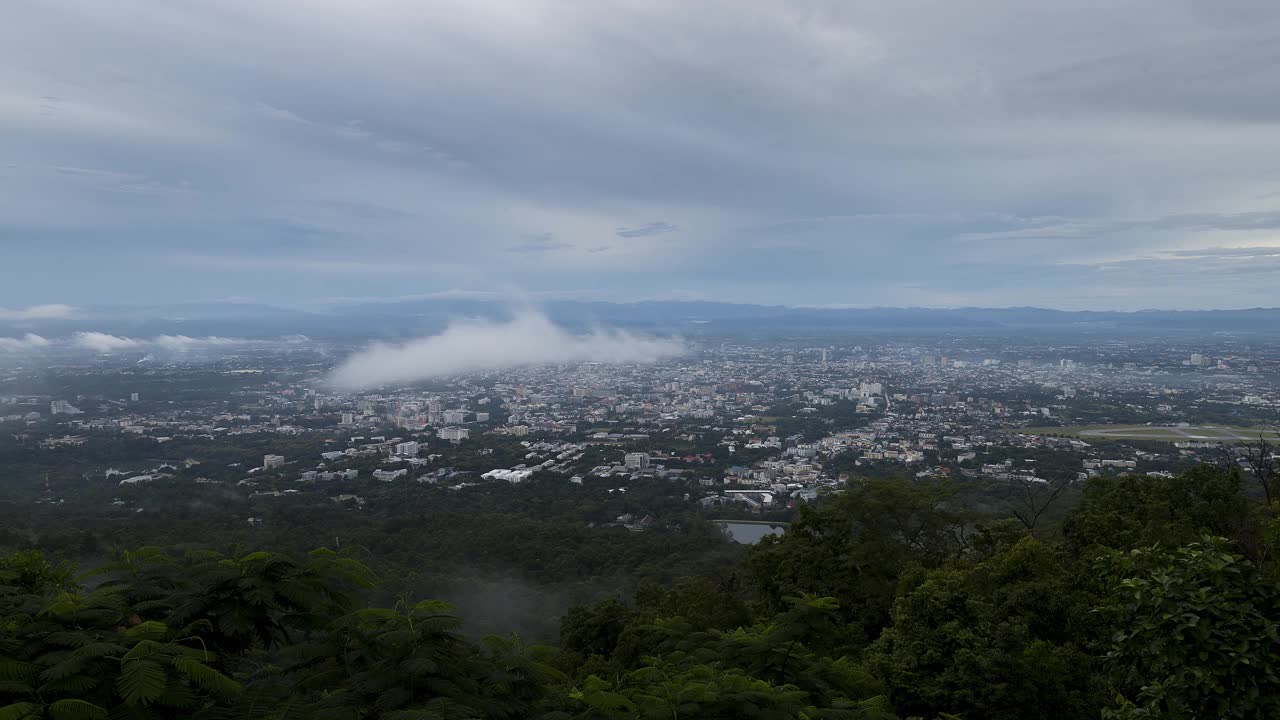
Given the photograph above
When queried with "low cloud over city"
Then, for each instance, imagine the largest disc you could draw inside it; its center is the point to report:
(528, 338)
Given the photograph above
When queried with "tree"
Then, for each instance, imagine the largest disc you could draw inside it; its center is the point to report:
(594, 629)
(87, 655)
(1032, 497)
(409, 662)
(1196, 634)
(855, 545)
(991, 640)
(1131, 511)
(1260, 456)
(768, 670)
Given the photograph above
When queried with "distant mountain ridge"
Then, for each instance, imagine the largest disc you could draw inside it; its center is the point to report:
(416, 317)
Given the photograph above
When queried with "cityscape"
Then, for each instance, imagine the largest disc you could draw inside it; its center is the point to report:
(639, 360)
(752, 427)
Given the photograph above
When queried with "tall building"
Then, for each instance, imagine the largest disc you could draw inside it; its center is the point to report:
(272, 461)
(824, 359)
(636, 461)
(62, 407)
(408, 449)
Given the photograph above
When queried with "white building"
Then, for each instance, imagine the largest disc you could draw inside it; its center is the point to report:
(408, 449)
(272, 461)
(454, 433)
(511, 476)
(62, 407)
(389, 475)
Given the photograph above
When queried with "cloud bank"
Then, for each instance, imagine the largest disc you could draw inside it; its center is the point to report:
(106, 343)
(991, 152)
(529, 338)
(26, 342)
(38, 312)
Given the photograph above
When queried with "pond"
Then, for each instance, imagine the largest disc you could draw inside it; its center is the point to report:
(750, 533)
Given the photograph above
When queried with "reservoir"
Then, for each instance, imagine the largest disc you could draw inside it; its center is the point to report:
(750, 533)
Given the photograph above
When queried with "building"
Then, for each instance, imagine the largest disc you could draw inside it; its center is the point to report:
(348, 418)
(408, 449)
(454, 433)
(389, 475)
(62, 407)
(133, 397)
(272, 461)
(636, 461)
(453, 417)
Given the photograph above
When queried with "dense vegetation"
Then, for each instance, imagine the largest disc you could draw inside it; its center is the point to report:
(1154, 598)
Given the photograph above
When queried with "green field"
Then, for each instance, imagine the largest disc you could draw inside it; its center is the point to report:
(1190, 433)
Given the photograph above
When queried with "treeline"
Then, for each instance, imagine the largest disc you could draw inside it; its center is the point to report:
(1157, 599)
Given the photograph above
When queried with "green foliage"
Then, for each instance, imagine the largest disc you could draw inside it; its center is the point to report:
(886, 600)
(1196, 634)
(1131, 511)
(990, 639)
(855, 546)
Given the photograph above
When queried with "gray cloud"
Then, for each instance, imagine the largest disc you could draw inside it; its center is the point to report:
(107, 343)
(30, 341)
(543, 243)
(783, 139)
(38, 312)
(647, 230)
(529, 338)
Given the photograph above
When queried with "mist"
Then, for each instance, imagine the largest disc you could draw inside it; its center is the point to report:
(30, 341)
(529, 338)
(106, 343)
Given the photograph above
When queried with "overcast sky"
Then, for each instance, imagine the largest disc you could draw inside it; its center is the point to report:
(1117, 154)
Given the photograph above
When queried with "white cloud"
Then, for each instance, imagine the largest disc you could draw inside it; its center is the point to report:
(26, 342)
(180, 343)
(104, 343)
(38, 312)
(529, 338)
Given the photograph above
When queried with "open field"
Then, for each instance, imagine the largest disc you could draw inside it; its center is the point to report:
(1167, 433)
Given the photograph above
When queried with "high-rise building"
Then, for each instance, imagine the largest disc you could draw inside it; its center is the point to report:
(408, 449)
(824, 359)
(62, 407)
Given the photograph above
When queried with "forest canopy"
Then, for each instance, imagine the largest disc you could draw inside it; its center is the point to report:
(1155, 598)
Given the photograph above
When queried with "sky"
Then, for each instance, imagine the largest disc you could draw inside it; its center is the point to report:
(1117, 154)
